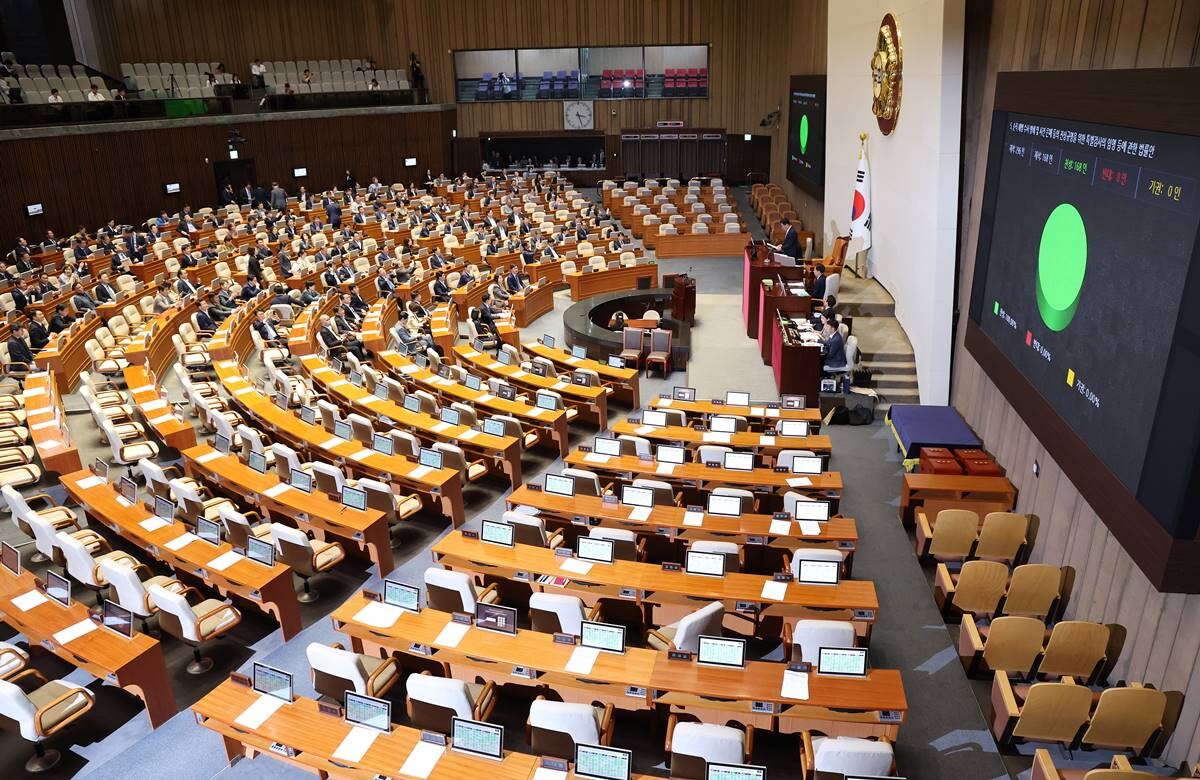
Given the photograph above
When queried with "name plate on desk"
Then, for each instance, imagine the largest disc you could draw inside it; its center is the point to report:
(237, 678)
(609, 500)
(470, 534)
(461, 617)
(418, 648)
(669, 566)
(564, 552)
(800, 666)
(433, 738)
(371, 595)
(564, 639)
(712, 464)
(679, 655)
(533, 488)
(554, 764)
(717, 402)
(782, 576)
(325, 708)
(645, 457)
(781, 469)
(584, 448)
(781, 516)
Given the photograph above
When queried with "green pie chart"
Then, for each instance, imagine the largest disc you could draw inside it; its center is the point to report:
(803, 133)
(1062, 263)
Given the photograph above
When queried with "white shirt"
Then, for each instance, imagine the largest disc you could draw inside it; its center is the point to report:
(96, 97)
(258, 68)
(54, 99)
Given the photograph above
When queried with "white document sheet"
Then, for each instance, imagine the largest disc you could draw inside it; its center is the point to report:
(781, 527)
(441, 426)
(468, 434)
(665, 469)
(153, 523)
(87, 483)
(642, 430)
(356, 744)
(27, 601)
(664, 403)
(766, 441)
(595, 457)
(419, 472)
(694, 519)
(640, 513)
(575, 566)
(378, 615)
(810, 528)
(757, 411)
(361, 455)
(799, 481)
(775, 591)
(206, 457)
(275, 491)
(422, 760)
(718, 437)
(452, 634)
(181, 541)
(74, 631)
(225, 560)
(257, 713)
(582, 660)
(795, 686)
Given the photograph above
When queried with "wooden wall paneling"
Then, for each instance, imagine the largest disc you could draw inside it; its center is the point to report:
(1163, 629)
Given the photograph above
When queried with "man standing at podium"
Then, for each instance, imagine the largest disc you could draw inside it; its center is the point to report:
(790, 245)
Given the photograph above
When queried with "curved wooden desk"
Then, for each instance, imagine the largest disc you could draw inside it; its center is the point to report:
(65, 355)
(766, 445)
(531, 303)
(136, 664)
(585, 285)
(47, 424)
(267, 589)
(624, 381)
(759, 416)
(590, 401)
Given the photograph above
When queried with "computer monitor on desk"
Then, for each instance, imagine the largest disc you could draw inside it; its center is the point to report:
(780, 258)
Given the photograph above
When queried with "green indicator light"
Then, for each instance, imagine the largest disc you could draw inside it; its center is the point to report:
(996, 309)
(1062, 263)
(803, 133)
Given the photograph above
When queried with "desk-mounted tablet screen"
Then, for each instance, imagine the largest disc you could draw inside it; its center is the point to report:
(308, 414)
(708, 564)
(221, 444)
(735, 772)
(578, 352)
(806, 464)
(504, 358)
(546, 401)
(164, 508)
(616, 361)
(476, 738)
(117, 619)
(548, 340)
(383, 444)
(301, 480)
(739, 461)
(594, 762)
(812, 510)
(380, 391)
(494, 617)
(474, 382)
(719, 651)
(811, 572)
(495, 532)
(128, 489)
(368, 712)
(258, 462)
(493, 427)
(683, 393)
(354, 498)
(728, 506)
(100, 469)
(431, 458)
(666, 453)
(412, 403)
(793, 428)
(208, 530)
(11, 557)
(602, 636)
(842, 661)
(356, 378)
(559, 484)
(654, 417)
(272, 682)
(735, 398)
(58, 588)
(588, 548)
(537, 369)
(603, 445)
(341, 429)
(722, 424)
(506, 391)
(637, 496)
(260, 551)
(450, 416)
(400, 595)
(792, 401)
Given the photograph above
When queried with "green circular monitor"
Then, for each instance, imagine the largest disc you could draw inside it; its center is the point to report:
(1062, 263)
(803, 133)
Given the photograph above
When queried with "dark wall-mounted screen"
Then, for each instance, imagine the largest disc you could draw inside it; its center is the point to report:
(806, 134)
(1080, 305)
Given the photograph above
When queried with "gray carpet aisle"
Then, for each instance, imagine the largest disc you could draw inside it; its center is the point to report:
(945, 735)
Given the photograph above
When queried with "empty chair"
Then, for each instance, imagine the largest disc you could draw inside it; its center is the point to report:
(977, 589)
(804, 641)
(1037, 590)
(1012, 645)
(848, 756)
(1046, 712)
(631, 347)
(553, 728)
(531, 530)
(336, 670)
(626, 546)
(586, 483)
(238, 529)
(56, 518)
(634, 445)
(193, 624)
(692, 746)
(131, 590)
(43, 712)
(664, 495)
(81, 565)
(12, 660)
(685, 634)
(730, 550)
(558, 613)
(454, 591)
(306, 557)
(1127, 719)
(453, 457)
(433, 702)
(953, 535)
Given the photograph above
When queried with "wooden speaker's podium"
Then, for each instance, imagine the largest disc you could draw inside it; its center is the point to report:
(683, 297)
(759, 266)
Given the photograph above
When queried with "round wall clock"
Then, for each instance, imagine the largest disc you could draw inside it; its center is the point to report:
(886, 75)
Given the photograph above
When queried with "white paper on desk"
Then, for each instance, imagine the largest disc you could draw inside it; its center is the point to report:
(775, 591)
(224, 560)
(331, 443)
(483, 399)
(468, 434)
(422, 760)
(640, 513)
(559, 385)
(27, 601)
(378, 615)
(665, 469)
(356, 744)
(419, 472)
(781, 527)
(51, 444)
(338, 383)
(757, 411)
(695, 519)
(795, 686)
(181, 541)
(452, 634)
(663, 403)
(32, 393)
(536, 411)
(324, 370)
(799, 481)
(162, 419)
(257, 713)
(572, 360)
(542, 773)
(409, 368)
(74, 631)
(766, 441)
(275, 491)
(87, 483)
(243, 390)
(810, 528)
(206, 457)
(153, 523)
(124, 501)
(773, 412)
(720, 438)
(470, 353)
(595, 457)
(531, 511)
(155, 404)
(520, 372)
(44, 425)
(362, 454)
(642, 430)
(582, 660)
(387, 353)
(441, 426)
(575, 566)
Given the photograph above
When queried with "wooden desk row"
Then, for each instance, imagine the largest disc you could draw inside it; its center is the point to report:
(586, 285)
(531, 303)
(47, 423)
(759, 416)
(592, 402)
(766, 445)
(267, 589)
(623, 381)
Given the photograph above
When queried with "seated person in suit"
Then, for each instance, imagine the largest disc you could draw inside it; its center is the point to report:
(183, 285)
(163, 300)
(818, 286)
(835, 348)
(61, 320)
(829, 311)
(415, 307)
(204, 320)
(335, 342)
(105, 291)
(513, 281)
(250, 288)
(39, 330)
(310, 294)
(267, 330)
(81, 299)
(18, 350)
(440, 290)
(21, 294)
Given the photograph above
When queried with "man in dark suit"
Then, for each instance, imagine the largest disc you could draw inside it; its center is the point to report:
(204, 320)
(246, 195)
(415, 305)
(39, 330)
(818, 288)
(383, 284)
(250, 289)
(61, 319)
(835, 348)
(44, 288)
(21, 294)
(18, 350)
(184, 285)
(265, 329)
(81, 299)
(441, 290)
(435, 260)
(333, 213)
(105, 292)
(310, 294)
(790, 245)
(329, 277)
(254, 267)
(513, 282)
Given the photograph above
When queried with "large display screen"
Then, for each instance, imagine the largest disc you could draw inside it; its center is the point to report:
(806, 134)
(1087, 237)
